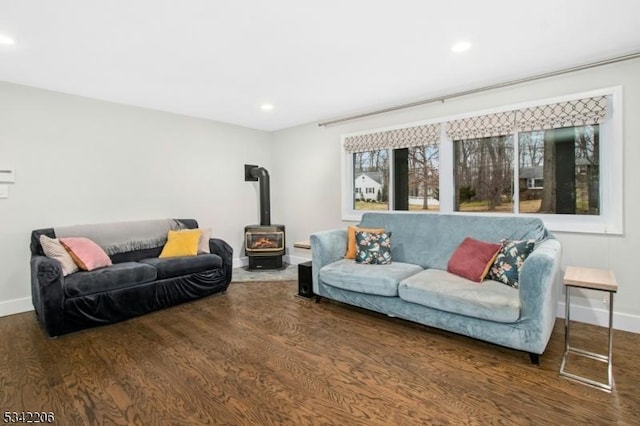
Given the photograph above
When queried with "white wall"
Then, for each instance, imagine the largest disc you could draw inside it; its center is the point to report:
(78, 160)
(307, 178)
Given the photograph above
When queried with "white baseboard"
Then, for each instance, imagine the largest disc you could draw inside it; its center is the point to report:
(600, 317)
(240, 261)
(15, 306)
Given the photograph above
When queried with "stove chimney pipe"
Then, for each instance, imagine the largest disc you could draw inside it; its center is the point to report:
(255, 173)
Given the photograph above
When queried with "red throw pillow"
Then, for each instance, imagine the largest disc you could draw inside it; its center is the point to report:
(473, 259)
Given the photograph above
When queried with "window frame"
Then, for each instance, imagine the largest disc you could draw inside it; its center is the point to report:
(610, 219)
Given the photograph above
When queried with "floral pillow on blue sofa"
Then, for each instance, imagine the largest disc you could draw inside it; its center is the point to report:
(511, 256)
(373, 248)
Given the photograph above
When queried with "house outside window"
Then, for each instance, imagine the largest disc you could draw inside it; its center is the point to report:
(371, 171)
(562, 168)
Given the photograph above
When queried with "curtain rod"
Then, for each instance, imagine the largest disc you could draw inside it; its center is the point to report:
(609, 61)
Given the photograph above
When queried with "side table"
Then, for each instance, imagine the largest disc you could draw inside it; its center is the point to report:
(593, 279)
(303, 245)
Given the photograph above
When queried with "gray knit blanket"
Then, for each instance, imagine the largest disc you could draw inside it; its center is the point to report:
(121, 237)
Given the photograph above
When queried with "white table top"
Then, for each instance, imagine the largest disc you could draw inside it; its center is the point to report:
(591, 278)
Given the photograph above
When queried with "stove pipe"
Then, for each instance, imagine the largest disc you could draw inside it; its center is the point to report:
(255, 173)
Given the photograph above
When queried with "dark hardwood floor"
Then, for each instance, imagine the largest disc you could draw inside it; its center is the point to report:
(258, 355)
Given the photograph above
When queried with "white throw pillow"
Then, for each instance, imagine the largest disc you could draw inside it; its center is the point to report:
(203, 243)
(53, 248)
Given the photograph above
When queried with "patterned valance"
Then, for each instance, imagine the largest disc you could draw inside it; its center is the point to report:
(581, 112)
(482, 126)
(428, 134)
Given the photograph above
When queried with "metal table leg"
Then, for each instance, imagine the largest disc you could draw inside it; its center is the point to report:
(599, 357)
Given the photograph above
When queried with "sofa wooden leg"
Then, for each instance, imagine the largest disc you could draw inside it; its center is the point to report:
(535, 358)
(318, 298)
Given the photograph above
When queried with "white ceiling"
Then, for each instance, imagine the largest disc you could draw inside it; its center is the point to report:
(313, 60)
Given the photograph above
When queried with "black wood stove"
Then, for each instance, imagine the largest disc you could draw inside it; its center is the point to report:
(264, 244)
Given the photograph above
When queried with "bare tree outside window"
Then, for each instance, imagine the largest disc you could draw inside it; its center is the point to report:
(483, 173)
(531, 153)
(559, 171)
(424, 177)
(371, 180)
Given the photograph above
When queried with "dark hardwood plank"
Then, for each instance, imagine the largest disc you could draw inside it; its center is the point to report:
(260, 355)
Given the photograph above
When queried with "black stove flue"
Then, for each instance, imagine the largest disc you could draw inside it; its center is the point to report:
(264, 244)
(260, 174)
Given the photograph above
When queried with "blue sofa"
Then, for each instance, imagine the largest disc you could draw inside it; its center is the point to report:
(417, 287)
(138, 282)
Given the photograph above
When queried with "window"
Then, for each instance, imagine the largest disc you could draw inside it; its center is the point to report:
(559, 159)
(422, 176)
(371, 180)
(415, 176)
(394, 169)
(483, 173)
(559, 171)
(416, 179)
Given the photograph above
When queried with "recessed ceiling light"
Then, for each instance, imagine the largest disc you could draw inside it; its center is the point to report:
(461, 46)
(6, 40)
(266, 107)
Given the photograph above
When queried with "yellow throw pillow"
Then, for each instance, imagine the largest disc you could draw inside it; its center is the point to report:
(181, 243)
(351, 239)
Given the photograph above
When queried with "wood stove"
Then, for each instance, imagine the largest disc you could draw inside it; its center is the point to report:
(264, 244)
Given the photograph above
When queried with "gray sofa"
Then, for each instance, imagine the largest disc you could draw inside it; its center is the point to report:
(417, 287)
(138, 282)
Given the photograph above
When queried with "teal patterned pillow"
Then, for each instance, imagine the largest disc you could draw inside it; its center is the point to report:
(373, 249)
(512, 255)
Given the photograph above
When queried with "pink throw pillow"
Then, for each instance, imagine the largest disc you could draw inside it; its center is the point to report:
(473, 259)
(85, 253)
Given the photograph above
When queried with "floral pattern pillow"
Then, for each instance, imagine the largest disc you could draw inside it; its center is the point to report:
(373, 249)
(506, 267)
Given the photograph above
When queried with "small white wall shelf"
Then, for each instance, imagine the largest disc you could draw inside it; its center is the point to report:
(7, 175)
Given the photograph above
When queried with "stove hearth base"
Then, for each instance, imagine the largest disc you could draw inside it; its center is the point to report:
(265, 262)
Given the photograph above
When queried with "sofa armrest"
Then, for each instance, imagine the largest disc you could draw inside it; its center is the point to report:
(47, 293)
(540, 285)
(326, 247)
(225, 251)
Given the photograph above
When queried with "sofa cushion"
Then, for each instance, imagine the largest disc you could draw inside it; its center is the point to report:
(181, 243)
(203, 242)
(109, 278)
(373, 248)
(177, 266)
(85, 253)
(506, 268)
(444, 291)
(381, 280)
(473, 259)
(53, 248)
(351, 239)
